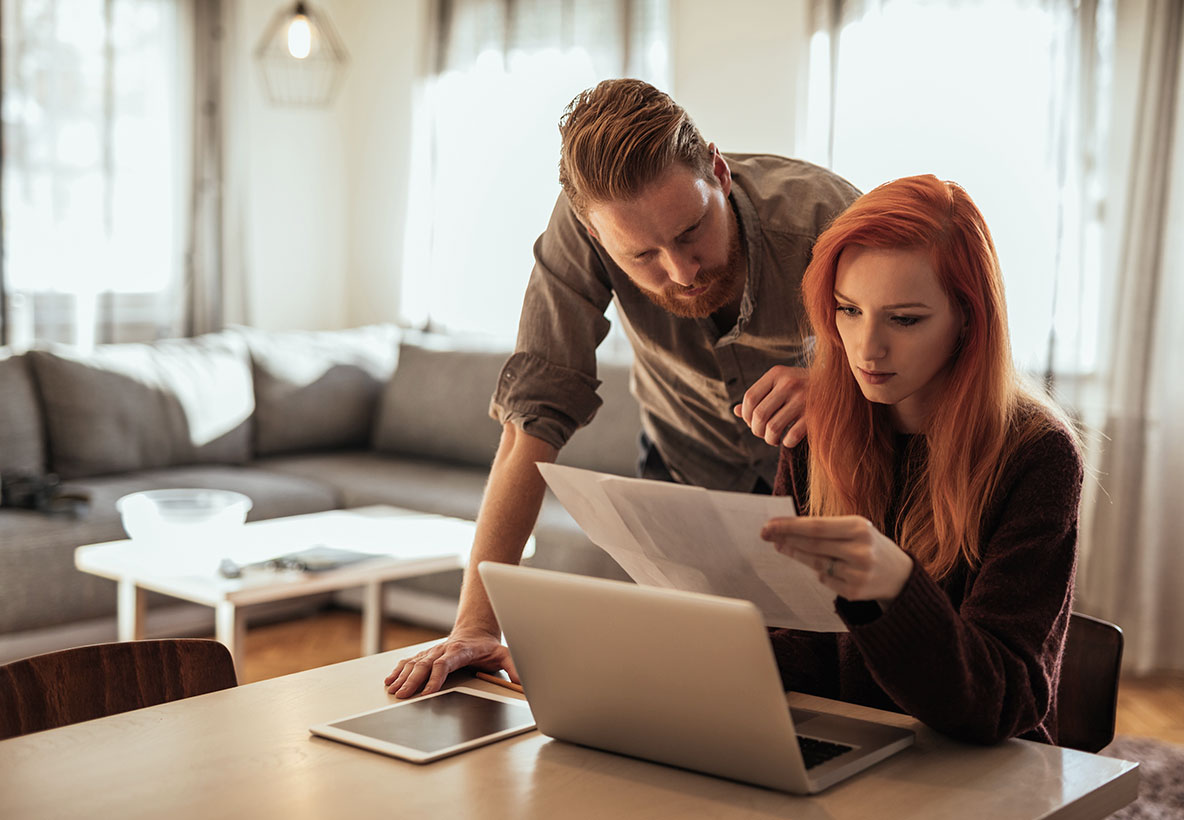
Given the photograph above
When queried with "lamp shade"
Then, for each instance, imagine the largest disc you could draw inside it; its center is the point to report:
(301, 58)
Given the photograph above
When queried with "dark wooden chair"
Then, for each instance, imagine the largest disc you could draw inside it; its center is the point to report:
(87, 682)
(1087, 697)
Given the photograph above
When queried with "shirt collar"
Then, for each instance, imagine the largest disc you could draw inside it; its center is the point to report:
(749, 224)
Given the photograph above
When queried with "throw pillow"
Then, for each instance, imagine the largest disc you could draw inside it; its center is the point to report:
(129, 407)
(22, 437)
(318, 390)
(437, 405)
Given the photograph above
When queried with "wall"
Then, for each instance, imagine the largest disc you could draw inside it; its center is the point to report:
(387, 39)
(741, 73)
(292, 210)
(316, 195)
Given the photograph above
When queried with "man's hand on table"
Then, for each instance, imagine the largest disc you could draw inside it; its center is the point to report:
(428, 670)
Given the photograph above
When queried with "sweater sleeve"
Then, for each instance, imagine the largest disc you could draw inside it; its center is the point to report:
(987, 670)
(808, 661)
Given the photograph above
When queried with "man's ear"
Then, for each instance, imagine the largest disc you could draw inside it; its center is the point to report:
(720, 169)
(586, 221)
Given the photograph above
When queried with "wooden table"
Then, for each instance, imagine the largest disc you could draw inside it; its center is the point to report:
(407, 543)
(246, 752)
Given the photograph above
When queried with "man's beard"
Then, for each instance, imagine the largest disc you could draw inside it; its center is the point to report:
(722, 285)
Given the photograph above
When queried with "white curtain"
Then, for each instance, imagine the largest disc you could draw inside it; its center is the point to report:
(1063, 120)
(997, 95)
(487, 143)
(98, 128)
(1133, 520)
(203, 274)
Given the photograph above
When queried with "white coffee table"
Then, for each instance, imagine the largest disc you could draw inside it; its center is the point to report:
(405, 543)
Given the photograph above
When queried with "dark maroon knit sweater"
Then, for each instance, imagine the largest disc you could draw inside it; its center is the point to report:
(976, 655)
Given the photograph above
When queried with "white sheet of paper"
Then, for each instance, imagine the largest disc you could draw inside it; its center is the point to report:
(690, 538)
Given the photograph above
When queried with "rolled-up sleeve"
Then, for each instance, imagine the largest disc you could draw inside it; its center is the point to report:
(548, 386)
(548, 401)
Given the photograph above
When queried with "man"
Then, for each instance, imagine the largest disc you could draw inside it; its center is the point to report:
(704, 257)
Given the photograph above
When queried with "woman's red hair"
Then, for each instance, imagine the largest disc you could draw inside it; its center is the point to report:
(978, 423)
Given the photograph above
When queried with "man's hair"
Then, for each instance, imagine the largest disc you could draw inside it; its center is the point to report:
(621, 136)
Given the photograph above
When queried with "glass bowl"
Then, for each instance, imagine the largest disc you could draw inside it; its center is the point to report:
(182, 515)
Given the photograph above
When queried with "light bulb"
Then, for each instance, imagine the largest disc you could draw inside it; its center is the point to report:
(299, 37)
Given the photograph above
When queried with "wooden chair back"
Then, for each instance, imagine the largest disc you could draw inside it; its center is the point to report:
(87, 682)
(1087, 698)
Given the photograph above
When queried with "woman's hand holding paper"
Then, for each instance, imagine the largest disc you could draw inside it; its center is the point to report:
(849, 554)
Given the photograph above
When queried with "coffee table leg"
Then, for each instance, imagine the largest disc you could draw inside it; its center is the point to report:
(131, 608)
(230, 627)
(372, 618)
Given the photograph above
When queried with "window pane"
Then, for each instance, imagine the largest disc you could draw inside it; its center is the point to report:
(985, 94)
(93, 141)
(487, 146)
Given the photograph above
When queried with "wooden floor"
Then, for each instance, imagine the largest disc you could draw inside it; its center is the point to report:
(1152, 707)
(330, 636)
(1148, 707)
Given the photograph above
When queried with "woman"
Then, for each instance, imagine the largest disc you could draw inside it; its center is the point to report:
(939, 497)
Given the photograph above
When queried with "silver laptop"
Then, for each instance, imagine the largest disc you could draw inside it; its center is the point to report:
(674, 677)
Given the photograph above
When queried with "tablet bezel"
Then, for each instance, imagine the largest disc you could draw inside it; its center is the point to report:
(371, 743)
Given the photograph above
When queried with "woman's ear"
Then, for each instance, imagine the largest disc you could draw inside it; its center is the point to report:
(963, 330)
(964, 314)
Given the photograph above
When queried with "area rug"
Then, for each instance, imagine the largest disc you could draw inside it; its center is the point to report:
(1161, 778)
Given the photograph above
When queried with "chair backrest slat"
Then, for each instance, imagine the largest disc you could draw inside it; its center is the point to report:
(87, 682)
(1087, 698)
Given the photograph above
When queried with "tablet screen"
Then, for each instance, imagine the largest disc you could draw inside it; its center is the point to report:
(435, 725)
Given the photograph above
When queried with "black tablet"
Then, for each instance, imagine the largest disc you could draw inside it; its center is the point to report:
(432, 726)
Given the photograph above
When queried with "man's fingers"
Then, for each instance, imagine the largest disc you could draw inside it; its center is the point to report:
(429, 669)
(411, 672)
(394, 674)
(440, 670)
(410, 681)
(508, 665)
(764, 417)
(774, 403)
(403, 668)
(793, 437)
(788, 414)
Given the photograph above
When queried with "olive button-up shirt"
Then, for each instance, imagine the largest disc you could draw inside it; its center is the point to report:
(687, 375)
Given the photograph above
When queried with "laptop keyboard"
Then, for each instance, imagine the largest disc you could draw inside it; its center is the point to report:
(816, 752)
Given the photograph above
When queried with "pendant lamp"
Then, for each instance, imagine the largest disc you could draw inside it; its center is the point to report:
(301, 57)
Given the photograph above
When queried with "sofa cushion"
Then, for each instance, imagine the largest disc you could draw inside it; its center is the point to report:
(437, 405)
(317, 390)
(39, 586)
(22, 437)
(127, 407)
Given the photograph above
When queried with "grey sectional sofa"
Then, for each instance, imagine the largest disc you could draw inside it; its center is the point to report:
(299, 421)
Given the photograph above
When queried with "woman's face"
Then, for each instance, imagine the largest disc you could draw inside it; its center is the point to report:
(898, 327)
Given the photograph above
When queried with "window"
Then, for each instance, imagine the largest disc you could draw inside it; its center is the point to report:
(93, 115)
(488, 145)
(1005, 98)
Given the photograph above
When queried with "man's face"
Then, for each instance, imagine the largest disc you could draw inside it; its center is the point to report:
(677, 241)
